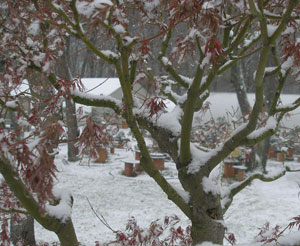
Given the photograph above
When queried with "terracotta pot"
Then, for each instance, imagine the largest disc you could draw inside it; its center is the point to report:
(128, 170)
(240, 175)
(138, 167)
(290, 154)
(280, 157)
(159, 163)
(271, 153)
(112, 150)
(138, 155)
(124, 125)
(102, 155)
(228, 170)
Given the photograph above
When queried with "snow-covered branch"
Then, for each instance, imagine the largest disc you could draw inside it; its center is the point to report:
(229, 193)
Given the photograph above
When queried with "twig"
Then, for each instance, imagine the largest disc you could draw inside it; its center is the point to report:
(101, 218)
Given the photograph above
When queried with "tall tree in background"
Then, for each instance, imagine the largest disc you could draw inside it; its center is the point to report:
(216, 39)
(63, 71)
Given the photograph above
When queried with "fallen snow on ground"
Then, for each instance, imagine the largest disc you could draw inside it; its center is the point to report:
(117, 198)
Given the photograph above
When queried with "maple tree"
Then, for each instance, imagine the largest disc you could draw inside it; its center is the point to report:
(217, 34)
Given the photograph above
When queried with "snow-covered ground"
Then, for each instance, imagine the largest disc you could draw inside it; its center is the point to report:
(117, 198)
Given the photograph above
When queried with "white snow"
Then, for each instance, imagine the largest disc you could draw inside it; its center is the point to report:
(34, 28)
(109, 54)
(119, 29)
(117, 198)
(166, 61)
(12, 104)
(271, 29)
(226, 105)
(170, 120)
(101, 86)
(87, 8)
(63, 210)
(209, 186)
(270, 125)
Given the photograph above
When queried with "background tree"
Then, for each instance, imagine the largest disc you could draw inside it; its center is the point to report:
(212, 35)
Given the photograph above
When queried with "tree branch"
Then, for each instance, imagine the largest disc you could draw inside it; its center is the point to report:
(245, 183)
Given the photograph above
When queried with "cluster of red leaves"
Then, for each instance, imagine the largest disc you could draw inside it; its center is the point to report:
(155, 106)
(182, 9)
(35, 164)
(292, 49)
(4, 234)
(7, 203)
(215, 48)
(92, 137)
(268, 235)
(144, 49)
(295, 222)
(231, 238)
(157, 234)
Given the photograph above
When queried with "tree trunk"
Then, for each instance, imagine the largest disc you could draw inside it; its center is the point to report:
(72, 130)
(270, 87)
(23, 231)
(206, 219)
(63, 71)
(67, 235)
(237, 79)
(206, 210)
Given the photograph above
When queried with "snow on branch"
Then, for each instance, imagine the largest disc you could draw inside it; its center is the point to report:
(90, 8)
(171, 120)
(228, 194)
(63, 209)
(288, 107)
(271, 124)
(200, 158)
(88, 97)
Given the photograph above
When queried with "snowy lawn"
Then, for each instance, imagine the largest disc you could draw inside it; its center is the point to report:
(117, 198)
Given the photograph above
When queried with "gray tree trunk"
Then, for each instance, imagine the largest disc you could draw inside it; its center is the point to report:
(71, 119)
(23, 231)
(269, 90)
(238, 81)
(72, 130)
(206, 210)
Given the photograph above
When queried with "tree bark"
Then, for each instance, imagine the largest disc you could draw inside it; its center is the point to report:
(206, 210)
(23, 231)
(64, 230)
(63, 71)
(237, 79)
(271, 83)
(71, 120)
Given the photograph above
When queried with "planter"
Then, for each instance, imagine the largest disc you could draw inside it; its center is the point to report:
(228, 169)
(138, 155)
(271, 153)
(124, 125)
(112, 150)
(138, 167)
(159, 163)
(102, 155)
(128, 169)
(240, 172)
(129, 166)
(290, 154)
(280, 156)
(158, 160)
